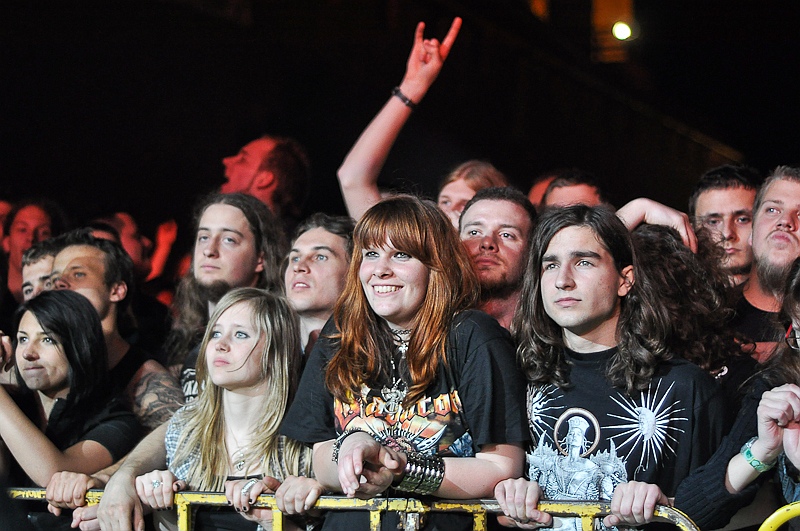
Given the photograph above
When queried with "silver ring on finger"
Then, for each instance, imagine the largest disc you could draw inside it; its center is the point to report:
(248, 486)
(156, 483)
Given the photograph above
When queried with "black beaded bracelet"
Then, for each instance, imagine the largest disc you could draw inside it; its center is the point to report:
(405, 99)
(340, 439)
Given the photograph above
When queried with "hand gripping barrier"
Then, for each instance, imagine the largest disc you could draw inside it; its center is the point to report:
(412, 509)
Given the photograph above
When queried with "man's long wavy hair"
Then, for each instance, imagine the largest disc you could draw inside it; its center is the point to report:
(364, 342)
(693, 290)
(202, 440)
(642, 326)
(191, 307)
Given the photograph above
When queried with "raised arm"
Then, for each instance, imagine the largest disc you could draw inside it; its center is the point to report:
(643, 210)
(37, 455)
(358, 174)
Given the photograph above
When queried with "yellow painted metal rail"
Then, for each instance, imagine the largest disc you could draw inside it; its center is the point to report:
(411, 507)
(780, 517)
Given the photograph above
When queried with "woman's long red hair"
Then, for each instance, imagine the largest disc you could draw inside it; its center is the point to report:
(420, 229)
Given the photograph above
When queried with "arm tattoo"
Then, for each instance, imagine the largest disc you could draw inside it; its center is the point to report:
(156, 397)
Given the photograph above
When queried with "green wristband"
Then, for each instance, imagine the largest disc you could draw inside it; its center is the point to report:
(747, 453)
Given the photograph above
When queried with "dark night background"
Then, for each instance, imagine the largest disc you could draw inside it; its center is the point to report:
(131, 105)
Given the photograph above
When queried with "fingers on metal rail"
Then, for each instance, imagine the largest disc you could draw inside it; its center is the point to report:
(413, 510)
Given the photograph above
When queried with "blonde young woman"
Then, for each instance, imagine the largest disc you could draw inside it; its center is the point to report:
(228, 438)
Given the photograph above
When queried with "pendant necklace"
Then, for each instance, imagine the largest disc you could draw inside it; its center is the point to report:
(393, 396)
(238, 457)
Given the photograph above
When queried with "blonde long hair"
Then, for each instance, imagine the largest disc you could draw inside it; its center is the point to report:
(202, 441)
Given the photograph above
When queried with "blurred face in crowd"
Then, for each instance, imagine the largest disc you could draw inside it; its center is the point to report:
(495, 233)
(225, 249)
(315, 273)
(728, 213)
(537, 191)
(81, 268)
(36, 277)
(577, 194)
(453, 197)
(135, 244)
(30, 225)
(243, 169)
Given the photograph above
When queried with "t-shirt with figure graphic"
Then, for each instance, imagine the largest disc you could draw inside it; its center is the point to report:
(590, 437)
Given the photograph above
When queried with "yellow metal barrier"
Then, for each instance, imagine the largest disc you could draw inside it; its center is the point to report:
(780, 517)
(412, 508)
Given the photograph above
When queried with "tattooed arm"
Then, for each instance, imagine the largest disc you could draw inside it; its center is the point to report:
(154, 394)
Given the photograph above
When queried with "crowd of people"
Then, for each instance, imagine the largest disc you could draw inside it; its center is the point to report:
(486, 345)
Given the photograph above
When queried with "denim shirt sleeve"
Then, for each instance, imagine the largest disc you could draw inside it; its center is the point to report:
(790, 487)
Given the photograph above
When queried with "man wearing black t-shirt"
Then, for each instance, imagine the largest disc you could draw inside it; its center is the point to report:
(613, 416)
(776, 244)
(101, 271)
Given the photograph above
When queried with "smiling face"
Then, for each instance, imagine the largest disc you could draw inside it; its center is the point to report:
(234, 350)
(316, 271)
(395, 284)
(41, 359)
(581, 287)
(728, 213)
(453, 197)
(225, 249)
(495, 234)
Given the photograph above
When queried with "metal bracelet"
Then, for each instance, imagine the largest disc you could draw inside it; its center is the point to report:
(422, 474)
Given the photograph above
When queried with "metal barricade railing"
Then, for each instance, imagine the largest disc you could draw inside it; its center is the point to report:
(780, 517)
(410, 507)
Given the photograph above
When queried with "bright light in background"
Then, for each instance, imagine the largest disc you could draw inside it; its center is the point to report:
(622, 31)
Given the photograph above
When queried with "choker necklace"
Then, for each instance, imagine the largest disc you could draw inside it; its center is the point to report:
(402, 344)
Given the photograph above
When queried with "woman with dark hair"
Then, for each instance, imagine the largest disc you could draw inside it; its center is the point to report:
(63, 418)
(409, 390)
